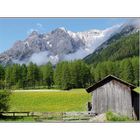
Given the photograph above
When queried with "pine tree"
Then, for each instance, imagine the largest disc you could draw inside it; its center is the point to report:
(8, 81)
(23, 76)
(47, 71)
(15, 74)
(31, 75)
(73, 74)
(136, 67)
(58, 74)
(127, 72)
(66, 77)
(97, 73)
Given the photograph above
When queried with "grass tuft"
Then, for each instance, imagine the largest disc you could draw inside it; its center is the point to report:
(115, 117)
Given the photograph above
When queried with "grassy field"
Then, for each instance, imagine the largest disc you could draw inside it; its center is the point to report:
(50, 101)
(137, 89)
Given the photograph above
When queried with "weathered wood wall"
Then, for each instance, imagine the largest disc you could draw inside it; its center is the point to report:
(113, 96)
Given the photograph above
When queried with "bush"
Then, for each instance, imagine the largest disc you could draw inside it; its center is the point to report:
(115, 117)
(4, 100)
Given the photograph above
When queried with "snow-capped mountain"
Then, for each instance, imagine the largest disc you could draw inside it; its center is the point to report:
(62, 44)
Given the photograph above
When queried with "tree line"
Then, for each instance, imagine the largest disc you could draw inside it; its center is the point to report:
(126, 69)
(64, 75)
(67, 75)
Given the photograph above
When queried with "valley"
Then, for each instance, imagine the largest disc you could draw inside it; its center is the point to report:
(49, 72)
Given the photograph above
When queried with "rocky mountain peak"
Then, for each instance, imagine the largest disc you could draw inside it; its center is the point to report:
(34, 33)
(62, 44)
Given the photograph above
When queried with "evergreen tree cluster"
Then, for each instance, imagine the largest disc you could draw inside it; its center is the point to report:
(126, 69)
(75, 74)
(22, 76)
(67, 75)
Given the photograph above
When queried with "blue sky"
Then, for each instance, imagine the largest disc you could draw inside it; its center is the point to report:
(13, 29)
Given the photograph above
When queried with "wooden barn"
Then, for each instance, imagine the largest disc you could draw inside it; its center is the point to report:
(116, 95)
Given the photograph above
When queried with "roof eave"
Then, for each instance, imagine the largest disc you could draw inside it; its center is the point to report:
(108, 78)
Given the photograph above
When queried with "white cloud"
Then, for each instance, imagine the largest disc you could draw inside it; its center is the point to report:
(39, 58)
(134, 21)
(39, 27)
(43, 58)
(81, 53)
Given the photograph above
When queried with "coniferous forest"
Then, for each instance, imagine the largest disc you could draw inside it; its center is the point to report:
(67, 75)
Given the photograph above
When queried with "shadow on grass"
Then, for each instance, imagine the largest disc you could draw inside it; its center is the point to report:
(8, 118)
(16, 119)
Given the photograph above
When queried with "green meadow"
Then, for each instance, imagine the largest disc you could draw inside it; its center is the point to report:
(137, 89)
(49, 100)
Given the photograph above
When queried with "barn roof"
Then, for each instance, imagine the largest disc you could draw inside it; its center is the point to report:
(106, 80)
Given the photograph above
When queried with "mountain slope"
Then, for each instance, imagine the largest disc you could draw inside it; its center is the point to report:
(124, 47)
